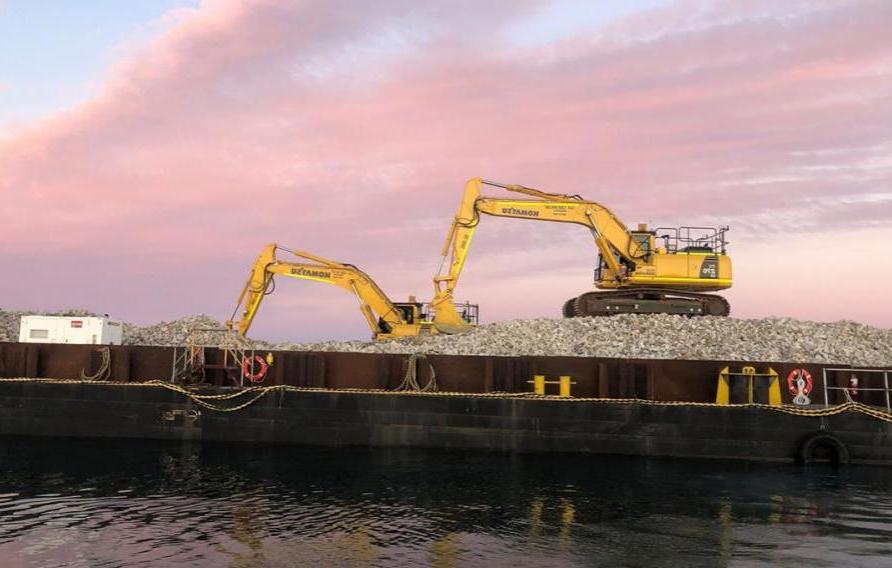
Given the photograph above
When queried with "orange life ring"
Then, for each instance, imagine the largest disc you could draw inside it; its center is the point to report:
(797, 374)
(261, 372)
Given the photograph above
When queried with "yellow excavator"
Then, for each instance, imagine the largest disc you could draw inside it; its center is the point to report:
(387, 320)
(666, 270)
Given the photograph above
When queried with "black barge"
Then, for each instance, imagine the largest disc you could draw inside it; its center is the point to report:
(616, 406)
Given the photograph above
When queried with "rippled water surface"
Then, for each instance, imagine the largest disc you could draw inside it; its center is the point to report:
(101, 503)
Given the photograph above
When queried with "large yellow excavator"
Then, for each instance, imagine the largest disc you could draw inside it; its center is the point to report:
(666, 270)
(386, 319)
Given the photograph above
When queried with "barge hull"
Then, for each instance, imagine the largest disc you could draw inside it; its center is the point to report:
(441, 420)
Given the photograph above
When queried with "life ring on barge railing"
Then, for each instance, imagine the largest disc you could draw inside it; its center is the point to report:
(797, 374)
(261, 371)
(822, 447)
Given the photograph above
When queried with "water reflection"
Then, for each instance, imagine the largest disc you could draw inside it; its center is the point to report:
(128, 504)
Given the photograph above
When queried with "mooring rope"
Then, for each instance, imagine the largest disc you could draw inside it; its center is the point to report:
(410, 381)
(104, 371)
(212, 401)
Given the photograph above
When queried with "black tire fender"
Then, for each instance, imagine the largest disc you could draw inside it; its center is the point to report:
(839, 453)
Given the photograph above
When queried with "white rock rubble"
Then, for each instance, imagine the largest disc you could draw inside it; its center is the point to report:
(623, 336)
(653, 337)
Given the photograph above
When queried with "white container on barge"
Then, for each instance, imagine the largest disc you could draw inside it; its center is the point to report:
(81, 330)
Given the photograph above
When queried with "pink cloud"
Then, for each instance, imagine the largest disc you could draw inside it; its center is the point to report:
(349, 130)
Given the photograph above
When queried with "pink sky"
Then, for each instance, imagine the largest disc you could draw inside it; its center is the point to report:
(348, 129)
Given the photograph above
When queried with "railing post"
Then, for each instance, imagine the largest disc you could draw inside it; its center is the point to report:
(886, 383)
(749, 373)
(774, 393)
(723, 391)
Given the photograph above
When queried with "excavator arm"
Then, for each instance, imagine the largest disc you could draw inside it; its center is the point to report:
(611, 237)
(381, 314)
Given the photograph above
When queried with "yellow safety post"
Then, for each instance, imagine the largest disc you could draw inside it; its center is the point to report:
(539, 384)
(749, 373)
(774, 392)
(723, 392)
(564, 386)
(563, 383)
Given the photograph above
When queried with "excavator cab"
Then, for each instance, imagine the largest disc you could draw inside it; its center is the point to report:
(642, 241)
(411, 311)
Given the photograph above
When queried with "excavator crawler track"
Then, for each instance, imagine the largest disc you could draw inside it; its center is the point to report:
(569, 309)
(646, 301)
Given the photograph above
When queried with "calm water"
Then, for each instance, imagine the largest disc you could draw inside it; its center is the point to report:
(143, 504)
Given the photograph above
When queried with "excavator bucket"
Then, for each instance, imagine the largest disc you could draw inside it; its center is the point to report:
(451, 329)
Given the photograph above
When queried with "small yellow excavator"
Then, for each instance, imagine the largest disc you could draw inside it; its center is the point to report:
(386, 319)
(665, 270)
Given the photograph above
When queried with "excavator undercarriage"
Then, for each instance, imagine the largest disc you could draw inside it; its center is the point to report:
(646, 301)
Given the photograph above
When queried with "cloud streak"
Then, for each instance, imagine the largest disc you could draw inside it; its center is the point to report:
(348, 129)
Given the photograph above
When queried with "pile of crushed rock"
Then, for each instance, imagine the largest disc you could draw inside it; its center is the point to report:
(623, 336)
(653, 337)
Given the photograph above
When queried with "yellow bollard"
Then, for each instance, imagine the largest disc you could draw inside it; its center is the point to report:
(723, 392)
(774, 392)
(539, 384)
(564, 386)
(749, 373)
